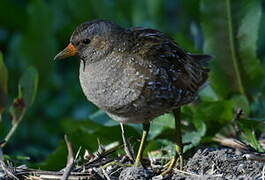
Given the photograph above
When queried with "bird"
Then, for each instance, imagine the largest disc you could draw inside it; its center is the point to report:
(136, 74)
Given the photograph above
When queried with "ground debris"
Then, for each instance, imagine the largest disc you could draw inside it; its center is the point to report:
(221, 163)
(206, 163)
(132, 173)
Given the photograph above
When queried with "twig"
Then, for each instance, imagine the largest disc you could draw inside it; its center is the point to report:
(103, 155)
(101, 148)
(32, 177)
(52, 175)
(2, 143)
(14, 127)
(67, 173)
(105, 174)
(127, 146)
(237, 117)
(255, 156)
(88, 156)
(233, 143)
(78, 153)
(70, 177)
(263, 173)
(239, 113)
(8, 171)
(187, 173)
(70, 159)
(117, 170)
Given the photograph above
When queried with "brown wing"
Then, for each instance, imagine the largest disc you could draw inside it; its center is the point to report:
(186, 70)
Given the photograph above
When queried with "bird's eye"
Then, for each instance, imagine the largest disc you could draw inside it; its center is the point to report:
(86, 41)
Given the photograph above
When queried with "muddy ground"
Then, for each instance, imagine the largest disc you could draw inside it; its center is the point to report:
(206, 163)
(223, 163)
(210, 163)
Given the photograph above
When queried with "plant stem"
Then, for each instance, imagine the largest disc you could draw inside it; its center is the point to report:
(232, 47)
(14, 127)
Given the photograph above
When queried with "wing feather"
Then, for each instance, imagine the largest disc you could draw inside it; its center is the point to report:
(187, 71)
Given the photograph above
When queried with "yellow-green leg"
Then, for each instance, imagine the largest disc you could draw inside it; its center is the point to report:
(179, 146)
(146, 127)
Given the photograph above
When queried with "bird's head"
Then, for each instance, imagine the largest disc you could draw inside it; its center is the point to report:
(91, 40)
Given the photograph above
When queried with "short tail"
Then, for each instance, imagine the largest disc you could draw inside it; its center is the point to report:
(202, 59)
(200, 71)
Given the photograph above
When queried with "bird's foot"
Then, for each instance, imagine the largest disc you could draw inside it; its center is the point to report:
(172, 163)
(137, 162)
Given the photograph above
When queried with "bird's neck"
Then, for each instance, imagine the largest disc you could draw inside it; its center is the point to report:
(103, 68)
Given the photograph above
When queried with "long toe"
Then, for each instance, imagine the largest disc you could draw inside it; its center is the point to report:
(172, 164)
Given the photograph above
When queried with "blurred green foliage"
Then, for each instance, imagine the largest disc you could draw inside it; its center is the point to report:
(31, 32)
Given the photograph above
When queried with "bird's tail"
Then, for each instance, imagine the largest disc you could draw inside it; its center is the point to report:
(202, 59)
(202, 72)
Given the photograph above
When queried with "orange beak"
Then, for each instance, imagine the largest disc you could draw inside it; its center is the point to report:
(70, 50)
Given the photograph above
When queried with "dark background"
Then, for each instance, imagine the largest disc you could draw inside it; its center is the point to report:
(32, 32)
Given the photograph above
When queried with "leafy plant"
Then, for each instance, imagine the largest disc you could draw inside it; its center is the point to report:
(27, 89)
(236, 72)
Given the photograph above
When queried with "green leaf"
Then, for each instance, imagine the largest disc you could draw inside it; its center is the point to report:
(208, 94)
(56, 160)
(214, 114)
(241, 101)
(248, 127)
(85, 133)
(28, 85)
(3, 84)
(161, 123)
(193, 139)
(257, 107)
(37, 44)
(16, 158)
(232, 39)
(219, 42)
(247, 36)
(193, 136)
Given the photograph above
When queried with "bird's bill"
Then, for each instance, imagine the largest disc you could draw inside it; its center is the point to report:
(70, 50)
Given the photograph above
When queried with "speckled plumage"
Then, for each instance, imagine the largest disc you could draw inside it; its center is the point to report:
(136, 74)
